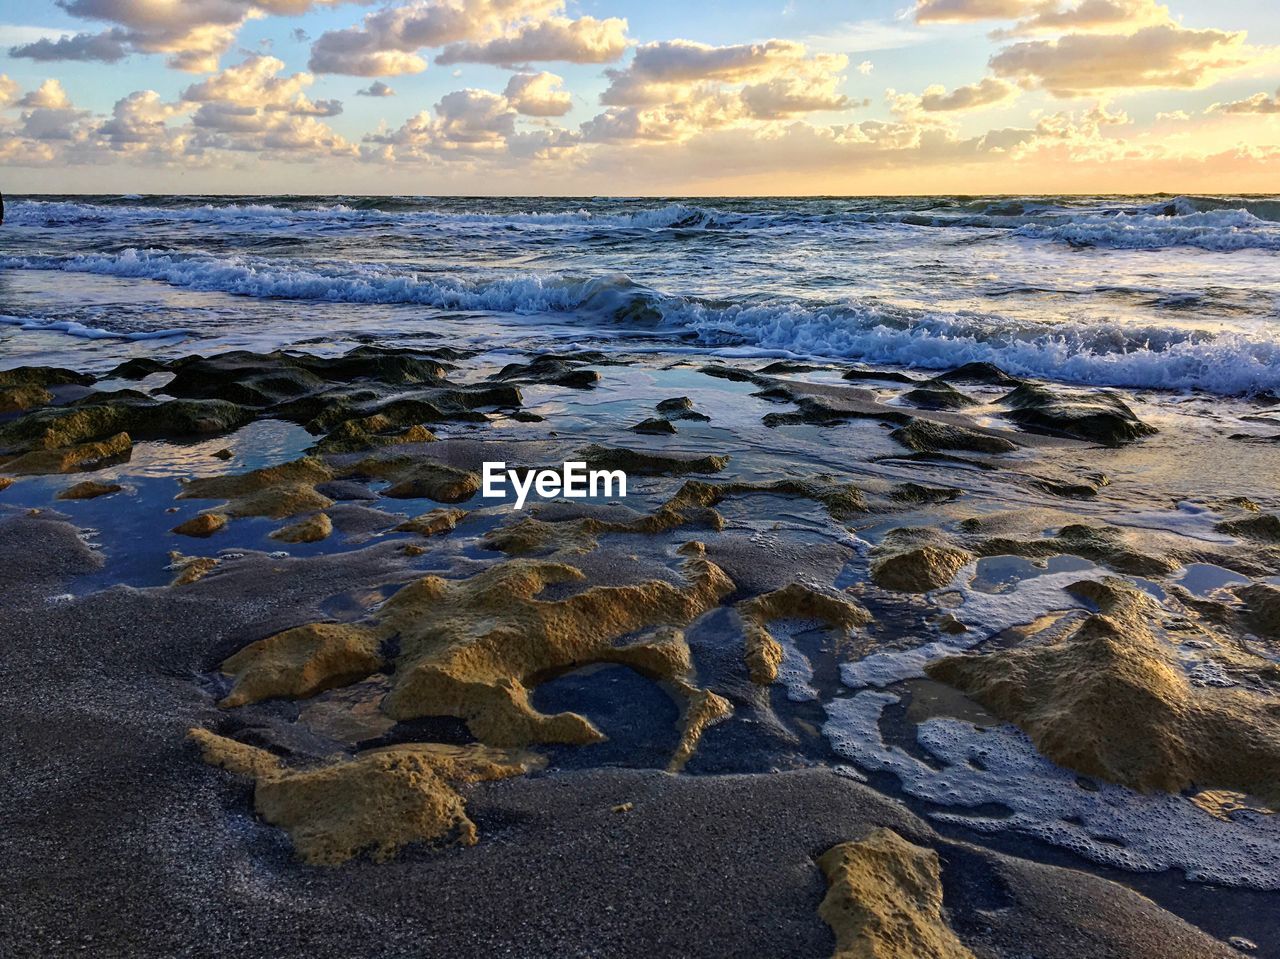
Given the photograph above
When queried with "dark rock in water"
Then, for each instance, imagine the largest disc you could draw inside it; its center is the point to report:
(680, 408)
(677, 404)
(43, 376)
(655, 426)
(914, 494)
(817, 413)
(264, 379)
(1085, 486)
(776, 394)
(787, 366)
(644, 463)
(137, 368)
(925, 436)
(938, 395)
(1100, 417)
(733, 374)
(888, 376)
(550, 370)
(345, 490)
(524, 416)
(60, 426)
(987, 373)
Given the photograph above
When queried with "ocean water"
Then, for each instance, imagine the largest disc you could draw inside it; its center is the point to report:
(1164, 292)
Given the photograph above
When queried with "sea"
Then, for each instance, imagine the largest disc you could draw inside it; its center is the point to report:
(1155, 292)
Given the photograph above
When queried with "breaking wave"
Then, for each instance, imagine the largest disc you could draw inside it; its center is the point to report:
(1102, 353)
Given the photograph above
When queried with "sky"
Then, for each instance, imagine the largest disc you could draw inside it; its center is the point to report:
(639, 97)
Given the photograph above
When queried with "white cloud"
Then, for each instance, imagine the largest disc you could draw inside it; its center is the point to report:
(539, 94)
(989, 91)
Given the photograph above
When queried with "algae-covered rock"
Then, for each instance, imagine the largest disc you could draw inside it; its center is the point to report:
(43, 376)
(762, 652)
(473, 648)
(433, 523)
(1262, 608)
(644, 463)
(680, 408)
(89, 489)
(69, 459)
(415, 477)
(926, 436)
(277, 492)
(916, 561)
(938, 395)
(654, 426)
(313, 529)
(203, 524)
(13, 399)
(1262, 527)
(884, 900)
(189, 569)
(96, 418)
(1112, 700)
(979, 372)
(378, 801)
(302, 662)
(1106, 545)
(1098, 416)
(550, 370)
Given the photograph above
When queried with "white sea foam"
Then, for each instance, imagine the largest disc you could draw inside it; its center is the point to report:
(72, 328)
(1104, 823)
(1103, 354)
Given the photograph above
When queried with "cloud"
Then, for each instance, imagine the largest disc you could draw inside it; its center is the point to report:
(1091, 16)
(987, 92)
(195, 33)
(538, 95)
(251, 107)
(48, 96)
(1157, 56)
(111, 46)
(376, 89)
(961, 11)
(389, 41)
(865, 68)
(9, 91)
(138, 125)
(585, 40)
(1258, 103)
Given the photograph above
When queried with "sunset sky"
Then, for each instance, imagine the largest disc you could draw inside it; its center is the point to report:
(629, 98)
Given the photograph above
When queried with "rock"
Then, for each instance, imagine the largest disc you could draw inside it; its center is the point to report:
(979, 372)
(224, 454)
(89, 489)
(1113, 701)
(201, 525)
(762, 652)
(433, 523)
(550, 370)
(85, 456)
(14, 399)
(816, 412)
(1263, 528)
(43, 376)
(884, 900)
(414, 477)
(938, 395)
(95, 419)
(887, 376)
(643, 463)
(926, 436)
(1262, 608)
(302, 662)
(277, 492)
(916, 561)
(680, 408)
(1099, 416)
(138, 368)
(190, 568)
(371, 432)
(5, 482)
(474, 648)
(313, 529)
(654, 426)
(379, 801)
(1105, 545)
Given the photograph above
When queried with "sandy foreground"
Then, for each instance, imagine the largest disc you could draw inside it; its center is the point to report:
(865, 664)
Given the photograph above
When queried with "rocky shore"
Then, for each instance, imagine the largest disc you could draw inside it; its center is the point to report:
(866, 663)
